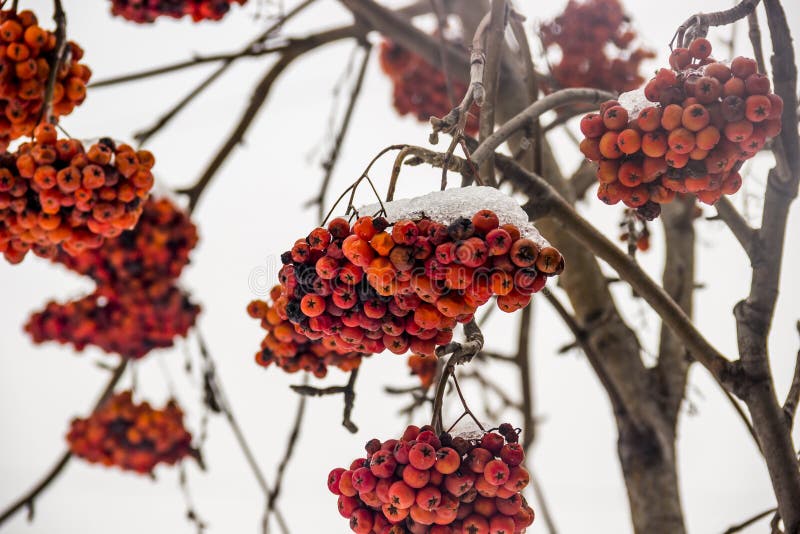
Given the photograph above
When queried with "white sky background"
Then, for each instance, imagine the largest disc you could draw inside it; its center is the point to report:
(251, 213)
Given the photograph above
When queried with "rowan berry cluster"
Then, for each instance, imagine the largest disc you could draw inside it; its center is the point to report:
(144, 11)
(133, 437)
(128, 324)
(378, 285)
(147, 259)
(136, 307)
(292, 351)
(420, 89)
(424, 368)
(55, 194)
(708, 118)
(584, 33)
(26, 53)
(424, 483)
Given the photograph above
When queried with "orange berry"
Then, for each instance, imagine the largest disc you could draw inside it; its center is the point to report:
(758, 108)
(629, 141)
(607, 171)
(649, 118)
(615, 118)
(738, 131)
(681, 141)
(630, 174)
(695, 117)
(707, 138)
(700, 48)
(654, 144)
(609, 147)
(671, 117)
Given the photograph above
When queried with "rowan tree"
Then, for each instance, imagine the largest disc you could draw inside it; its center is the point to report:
(534, 130)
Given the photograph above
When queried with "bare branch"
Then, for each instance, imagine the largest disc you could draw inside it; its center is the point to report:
(495, 39)
(743, 232)
(218, 393)
(59, 54)
(533, 112)
(793, 397)
(747, 522)
(697, 25)
(754, 33)
(257, 99)
(348, 391)
(294, 435)
(29, 498)
(330, 163)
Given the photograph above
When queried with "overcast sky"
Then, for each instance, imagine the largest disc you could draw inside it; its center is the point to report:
(251, 213)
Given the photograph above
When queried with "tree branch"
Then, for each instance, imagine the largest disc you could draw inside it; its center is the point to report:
(793, 396)
(747, 522)
(495, 39)
(348, 391)
(29, 498)
(257, 99)
(330, 163)
(524, 118)
(697, 25)
(59, 54)
(743, 232)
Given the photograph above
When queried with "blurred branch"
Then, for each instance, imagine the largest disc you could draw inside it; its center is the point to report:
(144, 135)
(495, 39)
(330, 163)
(754, 33)
(347, 391)
(295, 49)
(287, 456)
(28, 499)
(220, 400)
(746, 523)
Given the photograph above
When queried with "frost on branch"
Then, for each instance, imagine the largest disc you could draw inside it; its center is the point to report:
(446, 206)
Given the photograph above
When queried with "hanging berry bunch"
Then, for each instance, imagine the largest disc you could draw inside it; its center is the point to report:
(292, 351)
(420, 88)
(584, 33)
(147, 259)
(56, 194)
(436, 484)
(133, 437)
(423, 367)
(707, 119)
(136, 307)
(147, 11)
(377, 285)
(26, 53)
(128, 324)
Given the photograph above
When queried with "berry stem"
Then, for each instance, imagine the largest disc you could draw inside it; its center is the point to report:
(697, 25)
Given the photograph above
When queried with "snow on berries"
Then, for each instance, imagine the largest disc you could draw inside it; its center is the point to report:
(137, 306)
(26, 53)
(404, 285)
(436, 484)
(57, 195)
(132, 436)
(146, 12)
(420, 89)
(584, 33)
(292, 351)
(704, 119)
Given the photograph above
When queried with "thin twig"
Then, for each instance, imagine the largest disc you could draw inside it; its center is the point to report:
(257, 99)
(460, 353)
(747, 522)
(59, 54)
(29, 498)
(744, 418)
(347, 391)
(440, 11)
(146, 134)
(330, 163)
(224, 404)
(287, 456)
